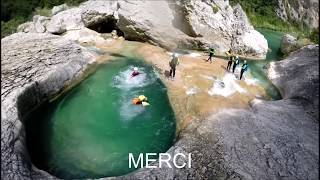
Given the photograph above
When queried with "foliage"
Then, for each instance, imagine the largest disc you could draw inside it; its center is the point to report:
(262, 14)
(314, 36)
(15, 12)
(215, 8)
(43, 11)
(10, 26)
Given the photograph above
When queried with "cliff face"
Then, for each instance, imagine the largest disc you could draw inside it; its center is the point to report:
(300, 11)
(169, 24)
(35, 67)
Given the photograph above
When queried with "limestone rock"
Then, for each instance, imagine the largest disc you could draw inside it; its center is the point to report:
(40, 23)
(181, 24)
(56, 9)
(290, 44)
(65, 20)
(300, 11)
(84, 35)
(35, 67)
(298, 76)
(229, 25)
(26, 27)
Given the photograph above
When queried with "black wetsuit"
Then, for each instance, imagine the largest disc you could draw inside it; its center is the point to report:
(243, 69)
(235, 63)
(230, 63)
(210, 55)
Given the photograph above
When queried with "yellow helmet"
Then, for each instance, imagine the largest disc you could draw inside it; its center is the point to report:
(142, 97)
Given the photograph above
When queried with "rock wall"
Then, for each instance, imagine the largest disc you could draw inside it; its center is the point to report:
(297, 77)
(170, 24)
(35, 67)
(300, 11)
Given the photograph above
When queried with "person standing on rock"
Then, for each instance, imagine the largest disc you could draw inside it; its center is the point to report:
(173, 63)
(235, 63)
(231, 58)
(211, 53)
(243, 68)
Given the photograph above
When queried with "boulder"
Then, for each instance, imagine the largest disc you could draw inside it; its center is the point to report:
(182, 24)
(56, 9)
(40, 23)
(65, 20)
(298, 76)
(228, 25)
(35, 67)
(84, 35)
(290, 43)
(27, 27)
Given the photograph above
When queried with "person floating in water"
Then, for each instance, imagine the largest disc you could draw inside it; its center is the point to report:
(243, 68)
(141, 100)
(211, 54)
(231, 58)
(135, 72)
(235, 63)
(173, 63)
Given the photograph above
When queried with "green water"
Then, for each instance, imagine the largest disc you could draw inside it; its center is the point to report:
(89, 131)
(258, 68)
(274, 42)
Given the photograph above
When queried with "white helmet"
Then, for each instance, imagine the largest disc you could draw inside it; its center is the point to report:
(135, 69)
(245, 61)
(175, 55)
(237, 57)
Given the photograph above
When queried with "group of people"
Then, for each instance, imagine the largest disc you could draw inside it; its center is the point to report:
(232, 59)
(236, 61)
(175, 61)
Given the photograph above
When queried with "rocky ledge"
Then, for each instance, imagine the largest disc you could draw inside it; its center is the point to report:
(35, 68)
(170, 24)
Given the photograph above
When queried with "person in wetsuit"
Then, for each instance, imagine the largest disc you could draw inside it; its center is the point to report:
(211, 54)
(236, 61)
(231, 58)
(173, 64)
(135, 72)
(244, 68)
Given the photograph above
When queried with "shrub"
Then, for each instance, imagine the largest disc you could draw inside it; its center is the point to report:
(215, 8)
(10, 27)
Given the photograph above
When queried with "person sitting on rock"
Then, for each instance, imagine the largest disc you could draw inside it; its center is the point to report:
(211, 53)
(243, 68)
(135, 72)
(235, 63)
(173, 63)
(231, 58)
